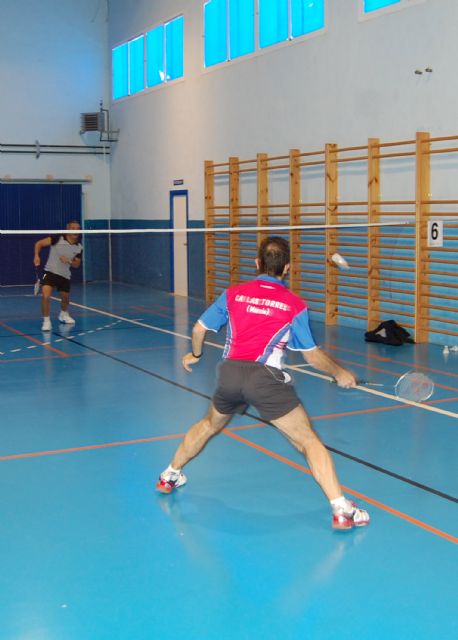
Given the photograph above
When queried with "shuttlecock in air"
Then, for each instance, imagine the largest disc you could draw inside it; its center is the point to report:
(339, 261)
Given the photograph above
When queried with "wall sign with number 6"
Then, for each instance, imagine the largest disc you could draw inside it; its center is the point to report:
(435, 233)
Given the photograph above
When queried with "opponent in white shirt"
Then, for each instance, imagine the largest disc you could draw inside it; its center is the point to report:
(65, 253)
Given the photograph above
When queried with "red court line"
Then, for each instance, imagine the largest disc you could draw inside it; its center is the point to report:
(441, 400)
(380, 409)
(106, 445)
(10, 360)
(169, 310)
(248, 426)
(136, 349)
(179, 435)
(68, 355)
(375, 503)
(81, 355)
(329, 416)
(169, 316)
(323, 417)
(357, 412)
(344, 414)
(392, 373)
(387, 359)
(276, 456)
(24, 335)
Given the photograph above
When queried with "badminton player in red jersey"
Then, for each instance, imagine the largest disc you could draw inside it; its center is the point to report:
(264, 318)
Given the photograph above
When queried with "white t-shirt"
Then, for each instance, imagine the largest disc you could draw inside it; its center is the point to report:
(62, 248)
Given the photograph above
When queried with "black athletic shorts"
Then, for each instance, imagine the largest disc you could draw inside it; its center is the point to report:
(243, 382)
(57, 282)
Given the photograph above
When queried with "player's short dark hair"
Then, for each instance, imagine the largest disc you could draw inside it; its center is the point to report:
(73, 222)
(273, 255)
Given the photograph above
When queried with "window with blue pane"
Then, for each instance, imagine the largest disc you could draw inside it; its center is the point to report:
(120, 71)
(241, 27)
(306, 16)
(215, 32)
(373, 5)
(174, 48)
(155, 68)
(136, 65)
(273, 22)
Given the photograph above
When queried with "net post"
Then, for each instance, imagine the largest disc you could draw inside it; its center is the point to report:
(422, 208)
(234, 220)
(294, 217)
(331, 217)
(373, 261)
(209, 188)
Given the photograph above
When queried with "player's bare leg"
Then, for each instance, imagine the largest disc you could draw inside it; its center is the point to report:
(64, 300)
(46, 292)
(192, 444)
(296, 426)
(64, 316)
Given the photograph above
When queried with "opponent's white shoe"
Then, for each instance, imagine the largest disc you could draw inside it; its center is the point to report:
(65, 317)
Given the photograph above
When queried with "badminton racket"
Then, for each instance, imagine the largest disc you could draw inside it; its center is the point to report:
(36, 286)
(412, 385)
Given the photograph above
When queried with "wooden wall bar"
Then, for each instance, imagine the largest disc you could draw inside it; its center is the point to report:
(394, 274)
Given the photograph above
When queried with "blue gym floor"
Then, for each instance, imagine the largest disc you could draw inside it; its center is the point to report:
(245, 550)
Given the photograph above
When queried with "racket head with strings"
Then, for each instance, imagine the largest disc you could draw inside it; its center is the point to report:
(414, 386)
(37, 285)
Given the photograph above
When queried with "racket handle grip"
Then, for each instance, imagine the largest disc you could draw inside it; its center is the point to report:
(363, 383)
(368, 383)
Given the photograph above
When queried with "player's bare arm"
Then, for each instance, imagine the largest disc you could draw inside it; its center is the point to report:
(198, 337)
(319, 359)
(44, 242)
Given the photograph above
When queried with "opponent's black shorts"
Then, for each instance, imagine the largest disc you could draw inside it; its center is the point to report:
(57, 282)
(243, 382)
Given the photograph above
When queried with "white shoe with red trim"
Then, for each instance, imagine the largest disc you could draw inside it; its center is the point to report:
(343, 519)
(168, 481)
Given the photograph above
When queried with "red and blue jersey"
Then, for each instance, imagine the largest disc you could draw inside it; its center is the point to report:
(263, 318)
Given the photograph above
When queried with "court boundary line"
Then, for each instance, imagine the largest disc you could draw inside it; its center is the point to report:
(374, 356)
(402, 405)
(253, 445)
(381, 394)
(427, 407)
(439, 385)
(62, 354)
(357, 494)
(334, 347)
(254, 417)
(88, 447)
(174, 383)
(330, 346)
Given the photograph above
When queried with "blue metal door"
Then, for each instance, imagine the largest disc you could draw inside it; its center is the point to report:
(33, 206)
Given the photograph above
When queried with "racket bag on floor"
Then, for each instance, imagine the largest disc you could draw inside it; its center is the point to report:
(389, 332)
